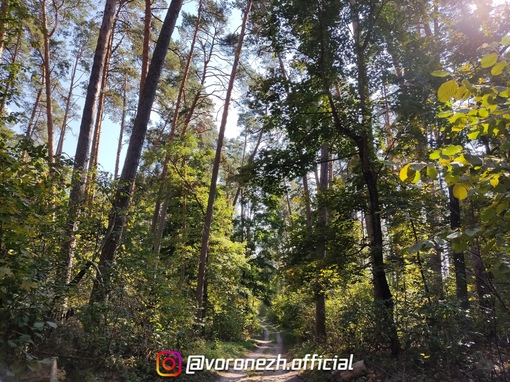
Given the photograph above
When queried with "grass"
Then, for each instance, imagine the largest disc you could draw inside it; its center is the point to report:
(227, 349)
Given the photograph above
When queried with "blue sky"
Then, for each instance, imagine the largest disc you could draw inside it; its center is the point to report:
(110, 130)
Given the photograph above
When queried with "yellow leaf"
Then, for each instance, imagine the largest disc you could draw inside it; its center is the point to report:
(460, 191)
(494, 181)
(403, 172)
(417, 177)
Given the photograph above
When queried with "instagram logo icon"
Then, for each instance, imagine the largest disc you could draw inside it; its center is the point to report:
(169, 363)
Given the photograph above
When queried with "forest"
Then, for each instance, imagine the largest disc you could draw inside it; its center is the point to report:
(184, 176)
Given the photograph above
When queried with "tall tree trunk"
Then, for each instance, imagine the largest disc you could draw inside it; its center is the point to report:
(82, 149)
(47, 75)
(459, 263)
(308, 207)
(96, 138)
(31, 120)
(160, 213)
(198, 94)
(122, 127)
(320, 296)
(12, 78)
(252, 157)
(216, 167)
(146, 45)
(4, 14)
(382, 293)
(435, 261)
(366, 153)
(60, 145)
(118, 215)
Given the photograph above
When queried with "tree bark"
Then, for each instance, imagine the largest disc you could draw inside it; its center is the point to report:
(146, 45)
(94, 151)
(160, 212)
(82, 149)
(363, 141)
(47, 75)
(252, 157)
(216, 166)
(4, 12)
(11, 79)
(60, 145)
(122, 127)
(118, 215)
(30, 126)
(459, 263)
(320, 296)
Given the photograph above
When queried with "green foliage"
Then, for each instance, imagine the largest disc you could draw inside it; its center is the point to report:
(31, 196)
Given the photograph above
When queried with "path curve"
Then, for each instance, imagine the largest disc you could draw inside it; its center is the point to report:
(265, 349)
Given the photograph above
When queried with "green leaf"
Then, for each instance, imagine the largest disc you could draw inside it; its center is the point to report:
(487, 247)
(452, 150)
(505, 41)
(459, 246)
(403, 172)
(473, 159)
(488, 214)
(469, 86)
(414, 248)
(39, 325)
(447, 90)
(51, 324)
(456, 117)
(473, 134)
(440, 73)
(498, 68)
(451, 179)
(431, 172)
(472, 231)
(34, 365)
(454, 235)
(489, 60)
(460, 191)
(445, 114)
(501, 207)
(483, 112)
(5, 272)
(436, 154)
(462, 93)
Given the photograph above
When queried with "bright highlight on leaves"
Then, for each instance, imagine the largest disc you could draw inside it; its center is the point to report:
(447, 90)
(498, 68)
(451, 150)
(489, 60)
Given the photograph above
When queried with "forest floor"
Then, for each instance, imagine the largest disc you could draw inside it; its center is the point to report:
(270, 346)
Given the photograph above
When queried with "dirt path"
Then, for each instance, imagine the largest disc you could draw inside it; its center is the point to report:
(265, 349)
